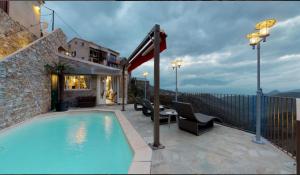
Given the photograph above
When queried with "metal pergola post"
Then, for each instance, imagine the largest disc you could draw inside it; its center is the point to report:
(123, 88)
(298, 135)
(156, 143)
(154, 34)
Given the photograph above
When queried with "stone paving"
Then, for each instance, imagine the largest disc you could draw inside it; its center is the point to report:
(221, 150)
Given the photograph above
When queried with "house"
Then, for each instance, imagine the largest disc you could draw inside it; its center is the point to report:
(96, 72)
(87, 50)
(27, 13)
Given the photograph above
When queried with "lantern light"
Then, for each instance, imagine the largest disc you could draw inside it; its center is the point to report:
(145, 74)
(264, 27)
(176, 63)
(254, 38)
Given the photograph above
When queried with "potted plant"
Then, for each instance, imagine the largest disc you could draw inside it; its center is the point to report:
(59, 69)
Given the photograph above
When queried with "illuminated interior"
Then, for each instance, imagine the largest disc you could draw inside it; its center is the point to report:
(108, 88)
(77, 82)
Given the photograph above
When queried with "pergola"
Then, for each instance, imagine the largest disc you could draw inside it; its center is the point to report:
(150, 47)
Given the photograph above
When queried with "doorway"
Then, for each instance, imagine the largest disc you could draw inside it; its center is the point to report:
(110, 89)
(54, 91)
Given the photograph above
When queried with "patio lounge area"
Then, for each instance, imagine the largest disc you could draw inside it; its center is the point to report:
(220, 150)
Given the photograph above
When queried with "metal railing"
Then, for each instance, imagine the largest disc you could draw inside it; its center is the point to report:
(239, 111)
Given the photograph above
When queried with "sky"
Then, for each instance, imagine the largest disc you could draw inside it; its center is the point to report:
(208, 36)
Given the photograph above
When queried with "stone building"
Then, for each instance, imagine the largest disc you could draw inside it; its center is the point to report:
(26, 88)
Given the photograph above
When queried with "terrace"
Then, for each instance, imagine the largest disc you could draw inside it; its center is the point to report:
(220, 150)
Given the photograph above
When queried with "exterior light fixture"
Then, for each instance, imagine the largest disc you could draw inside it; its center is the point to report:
(36, 9)
(175, 65)
(264, 27)
(263, 31)
(145, 74)
(254, 38)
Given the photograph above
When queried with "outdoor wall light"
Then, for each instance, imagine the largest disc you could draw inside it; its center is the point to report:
(36, 9)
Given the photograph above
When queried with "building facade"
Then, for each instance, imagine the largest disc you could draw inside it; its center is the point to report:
(105, 84)
(89, 51)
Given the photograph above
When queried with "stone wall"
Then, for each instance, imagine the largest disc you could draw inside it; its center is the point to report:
(71, 95)
(13, 36)
(25, 86)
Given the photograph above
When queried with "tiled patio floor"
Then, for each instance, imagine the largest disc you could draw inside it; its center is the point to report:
(221, 150)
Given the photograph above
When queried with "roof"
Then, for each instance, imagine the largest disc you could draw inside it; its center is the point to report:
(86, 67)
(90, 42)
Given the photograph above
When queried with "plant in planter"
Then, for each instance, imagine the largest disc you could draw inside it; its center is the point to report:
(59, 69)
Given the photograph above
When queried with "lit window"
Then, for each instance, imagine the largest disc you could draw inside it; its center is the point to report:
(73, 82)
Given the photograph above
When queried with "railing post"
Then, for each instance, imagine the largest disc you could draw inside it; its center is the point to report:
(298, 134)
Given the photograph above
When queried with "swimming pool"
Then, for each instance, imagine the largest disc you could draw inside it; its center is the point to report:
(81, 142)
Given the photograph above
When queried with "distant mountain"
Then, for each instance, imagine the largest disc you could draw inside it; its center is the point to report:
(295, 93)
(162, 91)
(272, 93)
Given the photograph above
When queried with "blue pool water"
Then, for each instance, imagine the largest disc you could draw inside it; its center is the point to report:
(89, 142)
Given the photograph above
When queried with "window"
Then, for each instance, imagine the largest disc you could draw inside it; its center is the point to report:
(82, 58)
(77, 82)
(73, 54)
(75, 42)
(4, 6)
(82, 44)
(97, 56)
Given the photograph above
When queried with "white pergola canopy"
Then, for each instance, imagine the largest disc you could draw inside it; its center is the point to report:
(86, 67)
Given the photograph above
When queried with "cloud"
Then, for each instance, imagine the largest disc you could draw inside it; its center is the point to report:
(288, 23)
(292, 57)
(209, 37)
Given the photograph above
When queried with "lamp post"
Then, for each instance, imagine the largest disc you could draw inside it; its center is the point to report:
(175, 65)
(145, 74)
(255, 39)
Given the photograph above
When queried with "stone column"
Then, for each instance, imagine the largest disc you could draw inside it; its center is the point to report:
(98, 93)
(118, 89)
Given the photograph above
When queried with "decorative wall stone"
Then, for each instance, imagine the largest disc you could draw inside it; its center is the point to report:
(13, 36)
(25, 86)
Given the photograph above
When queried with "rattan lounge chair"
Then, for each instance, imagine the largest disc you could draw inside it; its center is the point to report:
(149, 111)
(148, 107)
(193, 122)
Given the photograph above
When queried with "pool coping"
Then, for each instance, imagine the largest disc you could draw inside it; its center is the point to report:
(142, 159)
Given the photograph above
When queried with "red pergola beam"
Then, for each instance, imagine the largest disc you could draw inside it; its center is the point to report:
(147, 52)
